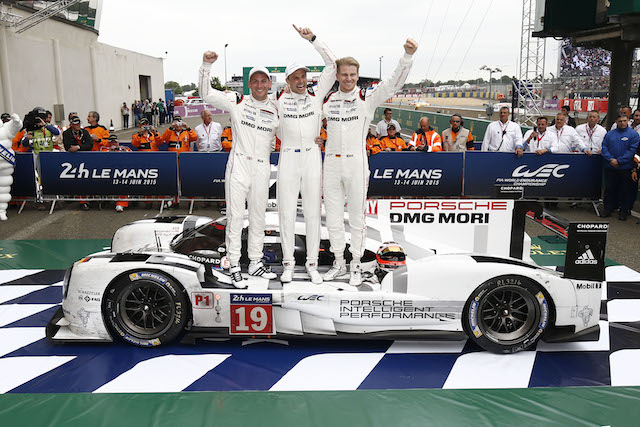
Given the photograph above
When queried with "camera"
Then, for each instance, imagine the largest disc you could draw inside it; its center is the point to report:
(32, 120)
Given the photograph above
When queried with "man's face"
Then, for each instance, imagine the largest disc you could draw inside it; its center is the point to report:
(542, 125)
(387, 115)
(324, 122)
(206, 117)
(391, 132)
(455, 123)
(625, 112)
(259, 84)
(298, 81)
(75, 126)
(424, 125)
(622, 122)
(92, 120)
(347, 77)
(504, 115)
(565, 111)
(48, 118)
(561, 119)
(592, 119)
(636, 117)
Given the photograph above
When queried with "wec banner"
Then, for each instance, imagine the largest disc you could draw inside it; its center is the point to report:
(415, 174)
(104, 174)
(550, 175)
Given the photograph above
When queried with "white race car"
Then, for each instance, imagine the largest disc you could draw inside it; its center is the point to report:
(165, 277)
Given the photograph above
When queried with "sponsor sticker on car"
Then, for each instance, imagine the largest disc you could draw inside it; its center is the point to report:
(251, 314)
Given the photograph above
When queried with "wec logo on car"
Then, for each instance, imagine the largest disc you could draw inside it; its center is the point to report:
(552, 169)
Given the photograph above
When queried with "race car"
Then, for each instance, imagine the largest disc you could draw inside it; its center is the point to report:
(155, 286)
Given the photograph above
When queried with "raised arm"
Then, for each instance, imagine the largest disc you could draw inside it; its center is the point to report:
(388, 86)
(328, 75)
(210, 95)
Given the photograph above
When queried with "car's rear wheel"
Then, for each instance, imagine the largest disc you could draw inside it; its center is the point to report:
(146, 308)
(506, 314)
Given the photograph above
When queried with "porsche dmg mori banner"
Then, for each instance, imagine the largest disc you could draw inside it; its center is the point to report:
(550, 175)
(96, 173)
(415, 174)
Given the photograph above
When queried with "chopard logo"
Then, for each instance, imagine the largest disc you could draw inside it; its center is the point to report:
(542, 172)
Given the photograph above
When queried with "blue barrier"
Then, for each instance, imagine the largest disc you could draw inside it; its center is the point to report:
(24, 176)
(400, 174)
(202, 174)
(406, 174)
(547, 176)
(109, 174)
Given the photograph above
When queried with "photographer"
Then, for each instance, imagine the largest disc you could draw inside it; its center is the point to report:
(38, 134)
(178, 136)
(147, 139)
(75, 138)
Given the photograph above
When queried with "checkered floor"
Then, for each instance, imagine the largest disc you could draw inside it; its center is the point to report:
(29, 364)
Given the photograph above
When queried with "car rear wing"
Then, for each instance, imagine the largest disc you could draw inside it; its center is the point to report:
(585, 256)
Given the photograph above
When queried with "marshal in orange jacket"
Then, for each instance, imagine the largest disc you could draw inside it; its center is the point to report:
(395, 144)
(103, 136)
(145, 143)
(374, 146)
(226, 139)
(178, 141)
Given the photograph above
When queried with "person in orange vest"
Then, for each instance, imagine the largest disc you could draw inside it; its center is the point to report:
(374, 146)
(426, 138)
(147, 139)
(178, 136)
(393, 141)
(17, 146)
(457, 137)
(323, 133)
(99, 133)
(226, 139)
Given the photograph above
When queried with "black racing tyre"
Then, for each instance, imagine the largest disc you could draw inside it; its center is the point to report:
(506, 314)
(146, 308)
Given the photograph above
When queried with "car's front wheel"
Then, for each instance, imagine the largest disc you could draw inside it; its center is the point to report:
(146, 308)
(506, 314)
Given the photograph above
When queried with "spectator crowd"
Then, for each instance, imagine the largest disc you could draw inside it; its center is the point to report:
(560, 135)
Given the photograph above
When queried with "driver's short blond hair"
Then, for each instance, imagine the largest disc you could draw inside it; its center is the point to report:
(347, 60)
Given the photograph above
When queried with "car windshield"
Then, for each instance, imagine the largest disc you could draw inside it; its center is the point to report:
(208, 236)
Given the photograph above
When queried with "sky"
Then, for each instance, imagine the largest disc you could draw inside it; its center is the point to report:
(459, 36)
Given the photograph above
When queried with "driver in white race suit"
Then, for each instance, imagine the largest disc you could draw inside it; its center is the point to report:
(349, 112)
(254, 120)
(300, 165)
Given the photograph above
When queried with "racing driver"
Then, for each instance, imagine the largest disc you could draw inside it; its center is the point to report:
(346, 169)
(300, 166)
(254, 120)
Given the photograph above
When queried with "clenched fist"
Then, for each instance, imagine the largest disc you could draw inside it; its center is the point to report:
(210, 57)
(410, 46)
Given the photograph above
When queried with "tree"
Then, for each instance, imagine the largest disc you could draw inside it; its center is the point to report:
(215, 83)
(190, 86)
(177, 89)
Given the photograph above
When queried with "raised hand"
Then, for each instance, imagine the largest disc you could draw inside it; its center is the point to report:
(305, 32)
(410, 46)
(210, 57)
